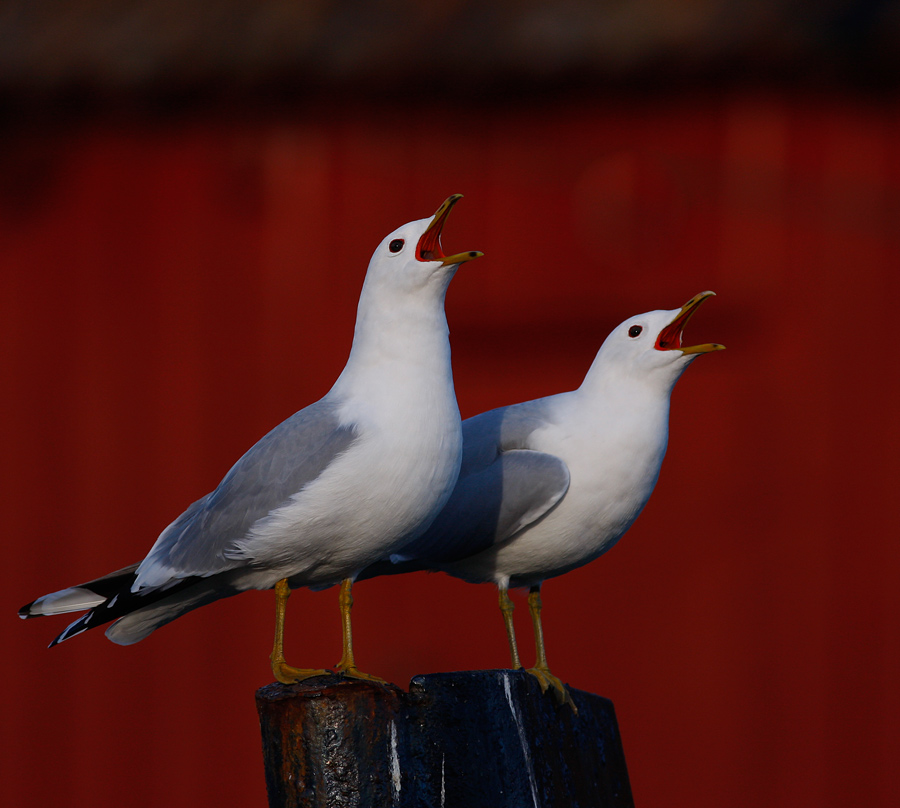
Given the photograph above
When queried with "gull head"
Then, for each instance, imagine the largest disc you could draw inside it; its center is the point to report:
(412, 257)
(651, 345)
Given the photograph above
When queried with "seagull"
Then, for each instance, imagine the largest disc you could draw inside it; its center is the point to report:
(338, 485)
(549, 485)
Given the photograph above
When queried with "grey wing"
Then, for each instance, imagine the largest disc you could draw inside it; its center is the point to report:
(285, 460)
(492, 505)
(503, 486)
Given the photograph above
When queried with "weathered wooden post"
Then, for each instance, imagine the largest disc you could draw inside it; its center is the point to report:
(473, 739)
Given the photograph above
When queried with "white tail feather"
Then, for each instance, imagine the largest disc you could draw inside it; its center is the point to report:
(74, 599)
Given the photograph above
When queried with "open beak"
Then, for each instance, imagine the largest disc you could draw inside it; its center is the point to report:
(669, 338)
(429, 246)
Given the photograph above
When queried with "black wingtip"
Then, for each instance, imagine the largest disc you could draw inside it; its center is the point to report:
(73, 630)
(65, 635)
(25, 611)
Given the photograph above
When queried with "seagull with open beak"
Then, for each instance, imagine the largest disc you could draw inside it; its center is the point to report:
(347, 480)
(549, 485)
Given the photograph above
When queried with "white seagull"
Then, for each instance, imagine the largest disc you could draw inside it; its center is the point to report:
(340, 484)
(549, 485)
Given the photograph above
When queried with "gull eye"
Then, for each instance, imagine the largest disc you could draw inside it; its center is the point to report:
(634, 331)
(396, 245)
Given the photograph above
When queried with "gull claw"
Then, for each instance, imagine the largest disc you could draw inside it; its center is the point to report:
(288, 675)
(352, 672)
(548, 680)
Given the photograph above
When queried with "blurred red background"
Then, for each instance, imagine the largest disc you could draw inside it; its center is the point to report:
(173, 287)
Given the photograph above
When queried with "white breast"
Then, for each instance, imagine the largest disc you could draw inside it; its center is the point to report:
(613, 467)
(382, 493)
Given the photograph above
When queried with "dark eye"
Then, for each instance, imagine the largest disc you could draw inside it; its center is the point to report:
(634, 331)
(396, 245)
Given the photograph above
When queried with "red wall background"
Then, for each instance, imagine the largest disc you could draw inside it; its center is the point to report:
(171, 290)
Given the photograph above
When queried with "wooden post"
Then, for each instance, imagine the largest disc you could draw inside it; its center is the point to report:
(473, 739)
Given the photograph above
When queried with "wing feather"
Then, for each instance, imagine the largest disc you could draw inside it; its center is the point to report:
(285, 460)
(503, 487)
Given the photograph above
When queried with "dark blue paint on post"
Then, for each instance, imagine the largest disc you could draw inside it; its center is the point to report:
(473, 738)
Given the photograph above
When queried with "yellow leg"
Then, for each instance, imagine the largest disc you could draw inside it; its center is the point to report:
(506, 608)
(347, 665)
(284, 673)
(541, 671)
